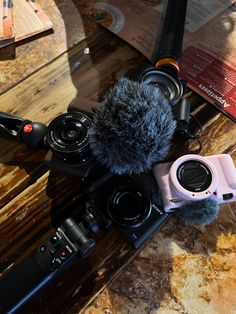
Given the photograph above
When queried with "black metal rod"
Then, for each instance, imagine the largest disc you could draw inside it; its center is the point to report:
(171, 39)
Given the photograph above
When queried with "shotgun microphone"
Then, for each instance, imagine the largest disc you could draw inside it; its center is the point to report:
(133, 128)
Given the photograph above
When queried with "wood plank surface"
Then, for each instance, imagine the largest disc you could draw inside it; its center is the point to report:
(23, 224)
(21, 59)
(177, 258)
(51, 90)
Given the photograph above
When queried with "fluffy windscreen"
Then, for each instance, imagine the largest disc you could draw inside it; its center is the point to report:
(201, 212)
(133, 128)
(149, 185)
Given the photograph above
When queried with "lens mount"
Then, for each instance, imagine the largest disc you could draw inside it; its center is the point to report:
(68, 136)
(193, 177)
(171, 86)
(129, 206)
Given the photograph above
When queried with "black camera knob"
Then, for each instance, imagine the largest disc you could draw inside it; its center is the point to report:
(76, 233)
(23, 131)
(87, 248)
(33, 134)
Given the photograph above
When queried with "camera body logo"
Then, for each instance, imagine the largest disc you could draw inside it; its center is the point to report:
(176, 200)
(157, 209)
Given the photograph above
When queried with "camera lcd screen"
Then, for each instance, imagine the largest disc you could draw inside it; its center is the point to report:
(194, 176)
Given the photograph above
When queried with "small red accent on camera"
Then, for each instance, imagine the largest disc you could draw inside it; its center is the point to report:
(28, 128)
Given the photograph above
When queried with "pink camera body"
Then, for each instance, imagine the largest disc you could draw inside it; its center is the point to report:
(193, 177)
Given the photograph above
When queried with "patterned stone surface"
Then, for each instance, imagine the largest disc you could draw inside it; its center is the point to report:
(183, 269)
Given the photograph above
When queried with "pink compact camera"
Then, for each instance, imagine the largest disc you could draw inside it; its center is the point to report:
(193, 178)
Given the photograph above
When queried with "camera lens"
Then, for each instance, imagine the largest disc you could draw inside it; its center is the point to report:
(194, 176)
(129, 206)
(68, 137)
(71, 132)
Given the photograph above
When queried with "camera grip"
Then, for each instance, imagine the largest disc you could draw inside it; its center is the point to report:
(21, 283)
(10, 125)
(22, 131)
(49, 259)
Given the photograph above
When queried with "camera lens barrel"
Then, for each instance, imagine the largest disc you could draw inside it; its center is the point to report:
(193, 177)
(168, 84)
(129, 206)
(68, 136)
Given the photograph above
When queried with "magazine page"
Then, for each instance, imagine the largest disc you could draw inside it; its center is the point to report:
(6, 22)
(29, 19)
(25, 17)
(209, 53)
(209, 56)
(135, 21)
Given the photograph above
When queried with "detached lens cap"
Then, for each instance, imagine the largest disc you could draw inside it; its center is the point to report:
(129, 206)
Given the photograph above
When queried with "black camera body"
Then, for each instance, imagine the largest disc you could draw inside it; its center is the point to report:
(59, 251)
(66, 137)
(123, 200)
(131, 204)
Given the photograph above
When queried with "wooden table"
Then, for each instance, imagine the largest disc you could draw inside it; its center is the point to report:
(182, 269)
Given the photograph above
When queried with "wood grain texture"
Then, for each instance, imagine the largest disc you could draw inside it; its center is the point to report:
(51, 90)
(183, 269)
(26, 210)
(20, 60)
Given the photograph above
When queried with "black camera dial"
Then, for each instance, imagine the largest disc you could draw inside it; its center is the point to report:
(129, 206)
(68, 136)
